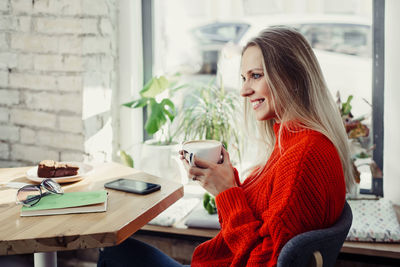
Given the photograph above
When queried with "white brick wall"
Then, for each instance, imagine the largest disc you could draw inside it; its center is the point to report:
(32, 81)
(25, 117)
(61, 7)
(3, 41)
(96, 45)
(69, 83)
(21, 6)
(28, 136)
(25, 62)
(9, 133)
(3, 78)
(67, 25)
(53, 55)
(101, 63)
(94, 7)
(4, 150)
(6, 22)
(71, 156)
(8, 60)
(106, 27)
(71, 124)
(4, 115)
(4, 5)
(54, 102)
(8, 97)
(30, 153)
(60, 140)
(24, 24)
(30, 42)
(58, 63)
(70, 45)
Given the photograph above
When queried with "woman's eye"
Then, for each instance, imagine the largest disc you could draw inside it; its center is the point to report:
(256, 75)
(243, 79)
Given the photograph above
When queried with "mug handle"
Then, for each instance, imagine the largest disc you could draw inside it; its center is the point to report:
(189, 157)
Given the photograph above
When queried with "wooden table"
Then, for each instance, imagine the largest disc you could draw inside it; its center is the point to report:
(126, 213)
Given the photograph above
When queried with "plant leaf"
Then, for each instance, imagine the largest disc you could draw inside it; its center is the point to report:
(156, 118)
(126, 159)
(141, 102)
(154, 87)
(168, 108)
(346, 107)
(130, 104)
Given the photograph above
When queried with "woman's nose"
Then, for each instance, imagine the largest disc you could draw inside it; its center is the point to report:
(246, 90)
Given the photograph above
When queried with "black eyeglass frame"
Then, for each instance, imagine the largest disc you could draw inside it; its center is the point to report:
(51, 186)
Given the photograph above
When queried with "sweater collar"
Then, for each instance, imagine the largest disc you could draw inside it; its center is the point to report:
(289, 130)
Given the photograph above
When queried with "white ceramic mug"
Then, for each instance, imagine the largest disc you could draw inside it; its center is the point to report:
(205, 149)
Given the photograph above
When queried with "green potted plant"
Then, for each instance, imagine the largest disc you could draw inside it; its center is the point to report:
(156, 96)
(157, 155)
(360, 143)
(213, 113)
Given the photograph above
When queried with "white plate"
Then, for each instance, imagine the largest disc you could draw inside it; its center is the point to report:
(83, 170)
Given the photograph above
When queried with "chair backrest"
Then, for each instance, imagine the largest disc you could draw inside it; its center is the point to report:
(317, 247)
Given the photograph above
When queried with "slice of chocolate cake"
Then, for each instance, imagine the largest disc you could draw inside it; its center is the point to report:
(51, 168)
(63, 169)
(46, 168)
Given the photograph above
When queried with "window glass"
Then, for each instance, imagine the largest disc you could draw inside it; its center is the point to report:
(203, 39)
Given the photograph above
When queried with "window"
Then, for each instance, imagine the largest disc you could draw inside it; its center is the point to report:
(202, 39)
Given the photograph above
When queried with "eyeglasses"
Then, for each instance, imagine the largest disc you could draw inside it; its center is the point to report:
(30, 195)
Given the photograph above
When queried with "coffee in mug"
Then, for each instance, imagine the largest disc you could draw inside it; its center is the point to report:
(205, 149)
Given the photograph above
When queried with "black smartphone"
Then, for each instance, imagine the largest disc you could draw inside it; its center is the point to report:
(132, 186)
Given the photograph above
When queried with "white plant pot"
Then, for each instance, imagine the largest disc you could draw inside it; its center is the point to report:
(162, 161)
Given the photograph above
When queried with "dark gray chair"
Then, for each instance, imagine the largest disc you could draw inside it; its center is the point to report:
(317, 247)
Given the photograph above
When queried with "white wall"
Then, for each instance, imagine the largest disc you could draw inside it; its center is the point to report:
(391, 168)
(57, 78)
(131, 76)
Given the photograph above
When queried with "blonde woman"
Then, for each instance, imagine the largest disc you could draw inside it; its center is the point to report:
(300, 180)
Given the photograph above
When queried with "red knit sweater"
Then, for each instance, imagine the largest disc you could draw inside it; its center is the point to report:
(300, 189)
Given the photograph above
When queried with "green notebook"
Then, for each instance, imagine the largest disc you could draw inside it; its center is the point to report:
(71, 202)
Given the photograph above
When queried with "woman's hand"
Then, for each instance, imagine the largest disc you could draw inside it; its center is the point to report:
(213, 177)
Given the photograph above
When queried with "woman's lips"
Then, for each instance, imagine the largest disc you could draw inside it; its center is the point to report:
(257, 103)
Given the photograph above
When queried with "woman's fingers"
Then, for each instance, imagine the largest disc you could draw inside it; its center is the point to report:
(202, 163)
(225, 156)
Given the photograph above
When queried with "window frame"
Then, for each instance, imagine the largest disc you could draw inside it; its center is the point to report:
(147, 40)
(378, 74)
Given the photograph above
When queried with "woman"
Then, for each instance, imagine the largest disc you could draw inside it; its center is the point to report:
(300, 181)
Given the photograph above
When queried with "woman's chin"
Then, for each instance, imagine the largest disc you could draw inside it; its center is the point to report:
(265, 117)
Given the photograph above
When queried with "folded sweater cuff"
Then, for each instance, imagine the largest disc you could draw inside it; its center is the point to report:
(229, 201)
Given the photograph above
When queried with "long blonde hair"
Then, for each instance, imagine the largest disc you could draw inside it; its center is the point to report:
(299, 93)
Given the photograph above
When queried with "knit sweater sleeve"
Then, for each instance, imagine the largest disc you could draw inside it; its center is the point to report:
(297, 203)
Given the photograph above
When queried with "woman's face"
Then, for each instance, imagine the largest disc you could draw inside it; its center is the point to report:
(254, 84)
